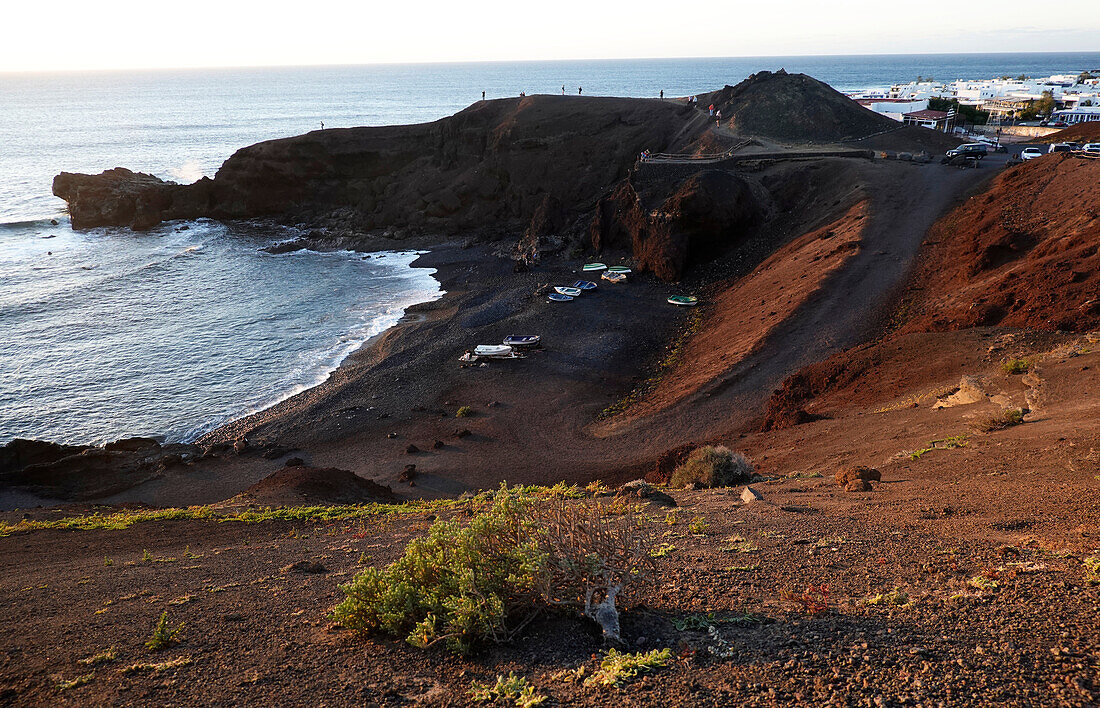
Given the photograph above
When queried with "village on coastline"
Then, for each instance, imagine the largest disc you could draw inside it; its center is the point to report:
(1006, 107)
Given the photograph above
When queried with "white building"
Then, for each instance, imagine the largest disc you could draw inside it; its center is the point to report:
(1077, 115)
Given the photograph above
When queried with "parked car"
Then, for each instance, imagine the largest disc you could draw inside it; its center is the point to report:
(1030, 153)
(1059, 124)
(1060, 147)
(975, 150)
(1092, 148)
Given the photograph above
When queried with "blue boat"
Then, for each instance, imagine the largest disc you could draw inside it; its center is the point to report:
(521, 340)
(558, 297)
(584, 285)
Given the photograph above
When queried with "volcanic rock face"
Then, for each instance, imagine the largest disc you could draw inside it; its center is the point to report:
(487, 168)
(703, 215)
(120, 197)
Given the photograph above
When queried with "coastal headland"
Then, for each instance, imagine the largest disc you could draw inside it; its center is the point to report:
(860, 306)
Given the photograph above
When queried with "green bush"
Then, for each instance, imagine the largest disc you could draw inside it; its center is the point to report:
(164, 635)
(464, 411)
(462, 584)
(712, 467)
(456, 585)
(1005, 419)
(1015, 366)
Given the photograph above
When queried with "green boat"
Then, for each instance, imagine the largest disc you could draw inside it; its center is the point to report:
(592, 267)
(618, 269)
(684, 300)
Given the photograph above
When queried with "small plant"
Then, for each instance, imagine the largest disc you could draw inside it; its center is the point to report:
(1005, 419)
(698, 525)
(739, 544)
(163, 634)
(672, 517)
(693, 622)
(146, 556)
(617, 669)
(743, 568)
(513, 689)
(464, 412)
(1013, 367)
(894, 598)
(597, 488)
(1092, 570)
(712, 467)
(107, 562)
(662, 550)
(984, 581)
(948, 443)
(78, 681)
(103, 657)
(158, 666)
(813, 600)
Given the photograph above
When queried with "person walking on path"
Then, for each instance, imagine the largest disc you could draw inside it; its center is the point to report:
(322, 125)
(662, 93)
(718, 122)
(711, 109)
(579, 89)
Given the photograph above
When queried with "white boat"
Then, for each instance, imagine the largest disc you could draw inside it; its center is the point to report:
(614, 277)
(491, 351)
(564, 290)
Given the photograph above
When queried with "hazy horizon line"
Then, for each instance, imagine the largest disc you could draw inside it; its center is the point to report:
(229, 67)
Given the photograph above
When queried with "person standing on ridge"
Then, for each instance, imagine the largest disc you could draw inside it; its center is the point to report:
(482, 95)
(662, 93)
(711, 109)
(563, 89)
(718, 122)
(322, 125)
(579, 89)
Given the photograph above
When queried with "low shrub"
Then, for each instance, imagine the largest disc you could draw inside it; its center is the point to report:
(711, 466)
(463, 412)
(163, 634)
(1015, 366)
(1005, 419)
(462, 584)
(509, 689)
(617, 668)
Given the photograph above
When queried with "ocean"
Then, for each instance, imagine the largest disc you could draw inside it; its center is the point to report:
(169, 333)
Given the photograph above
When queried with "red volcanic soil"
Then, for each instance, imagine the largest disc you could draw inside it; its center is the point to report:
(1079, 132)
(1025, 253)
(742, 315)
(310, 485)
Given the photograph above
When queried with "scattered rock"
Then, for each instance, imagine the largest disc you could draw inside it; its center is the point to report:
(463, 433)
(640, 489)
(408, 474)
(438, 445)
(391, 436)
(858, 485)
(240, 445)
(311, 567)
(749, 495)
(412, 450)
(295, 462)
(846, 475)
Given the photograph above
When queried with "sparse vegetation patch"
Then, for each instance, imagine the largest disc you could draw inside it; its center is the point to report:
(710, 466)
(164, 635)
(507, 689)
(617, 669)
(1005, 419)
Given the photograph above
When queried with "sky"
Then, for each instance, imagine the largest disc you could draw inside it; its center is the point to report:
(129, 34)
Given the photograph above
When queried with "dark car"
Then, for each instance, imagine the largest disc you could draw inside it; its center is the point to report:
(975, 150)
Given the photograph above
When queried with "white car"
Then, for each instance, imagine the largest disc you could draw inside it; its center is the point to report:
(1030, 153)
(1092, 148)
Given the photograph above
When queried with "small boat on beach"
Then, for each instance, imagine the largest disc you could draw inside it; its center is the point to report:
(618, 269)
(558, 297)
(571, 292)
(613, 277)
(492, 351)
(683, 300)
(593, 267)
(584, 285)
(521, 340)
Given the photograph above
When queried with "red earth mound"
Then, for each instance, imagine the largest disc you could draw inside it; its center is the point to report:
(1025, 253)
(1078, 133)
(296, 485)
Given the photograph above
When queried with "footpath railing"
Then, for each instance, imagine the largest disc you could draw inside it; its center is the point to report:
(682, 158)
